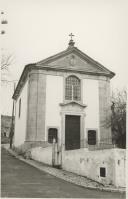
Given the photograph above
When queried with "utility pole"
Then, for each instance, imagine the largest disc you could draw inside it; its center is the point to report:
(12, 123)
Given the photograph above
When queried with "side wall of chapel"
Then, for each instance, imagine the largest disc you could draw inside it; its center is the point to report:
(21, 120)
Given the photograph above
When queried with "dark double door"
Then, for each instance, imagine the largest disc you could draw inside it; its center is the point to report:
(72, 132)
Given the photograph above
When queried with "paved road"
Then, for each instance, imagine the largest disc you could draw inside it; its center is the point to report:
(24, 181)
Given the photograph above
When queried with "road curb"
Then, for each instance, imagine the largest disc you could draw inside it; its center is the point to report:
(59, 173)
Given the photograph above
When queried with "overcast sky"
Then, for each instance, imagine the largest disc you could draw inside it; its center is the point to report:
(37, 29)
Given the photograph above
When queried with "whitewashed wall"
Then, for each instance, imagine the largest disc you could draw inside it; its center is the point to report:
(54, 96)
(87, 163)
(20, 123)
(42, 154)
(91, 99)
(120, 167)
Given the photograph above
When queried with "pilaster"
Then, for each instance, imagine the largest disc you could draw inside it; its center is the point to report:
(36, 107)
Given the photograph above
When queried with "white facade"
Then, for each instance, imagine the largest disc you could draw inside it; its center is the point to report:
(21, 122)
(91, 99)
(54, 96)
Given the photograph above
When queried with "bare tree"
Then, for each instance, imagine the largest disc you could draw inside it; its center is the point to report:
(6, 61)
(118, 118)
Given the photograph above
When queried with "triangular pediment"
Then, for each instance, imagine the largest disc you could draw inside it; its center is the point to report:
(72, 59)
(75, 60)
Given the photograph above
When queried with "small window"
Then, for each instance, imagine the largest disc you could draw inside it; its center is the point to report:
(19, 107)
(102, 172)
(118, 162)
(4, 134)
(52, 134)
(91, 137)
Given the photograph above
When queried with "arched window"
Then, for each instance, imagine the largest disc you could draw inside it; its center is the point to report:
(72, 88)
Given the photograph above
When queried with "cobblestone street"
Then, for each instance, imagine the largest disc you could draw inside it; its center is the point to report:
(22, 180)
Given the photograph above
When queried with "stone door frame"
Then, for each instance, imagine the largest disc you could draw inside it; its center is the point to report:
(82, 126)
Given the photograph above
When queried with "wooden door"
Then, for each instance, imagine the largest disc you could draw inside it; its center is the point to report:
(72, 132)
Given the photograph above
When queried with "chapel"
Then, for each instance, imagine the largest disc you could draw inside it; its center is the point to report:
(65, 97)
(62, 109)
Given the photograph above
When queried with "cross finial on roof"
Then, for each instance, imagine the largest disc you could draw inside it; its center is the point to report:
(71, 35)
(71, 42)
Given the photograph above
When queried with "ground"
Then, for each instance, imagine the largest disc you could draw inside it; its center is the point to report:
(22, 180)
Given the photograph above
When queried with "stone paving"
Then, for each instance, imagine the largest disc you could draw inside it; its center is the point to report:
(65, 175)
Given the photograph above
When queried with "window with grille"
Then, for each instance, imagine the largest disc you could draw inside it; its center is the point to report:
(91, 137)
(52, 134)
(72, 88)
(102, 172)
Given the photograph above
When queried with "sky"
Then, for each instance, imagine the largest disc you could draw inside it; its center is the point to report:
(37, 29)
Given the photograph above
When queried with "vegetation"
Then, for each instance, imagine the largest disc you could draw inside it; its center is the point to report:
(6, 61)
(118, 118)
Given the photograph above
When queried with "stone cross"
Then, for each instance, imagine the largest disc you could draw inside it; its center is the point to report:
(71, 35)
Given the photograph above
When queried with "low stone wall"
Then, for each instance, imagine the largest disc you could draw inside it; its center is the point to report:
(42, 154)
(106, 166)
(120, 167)
(28, 145)
(90, 163)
